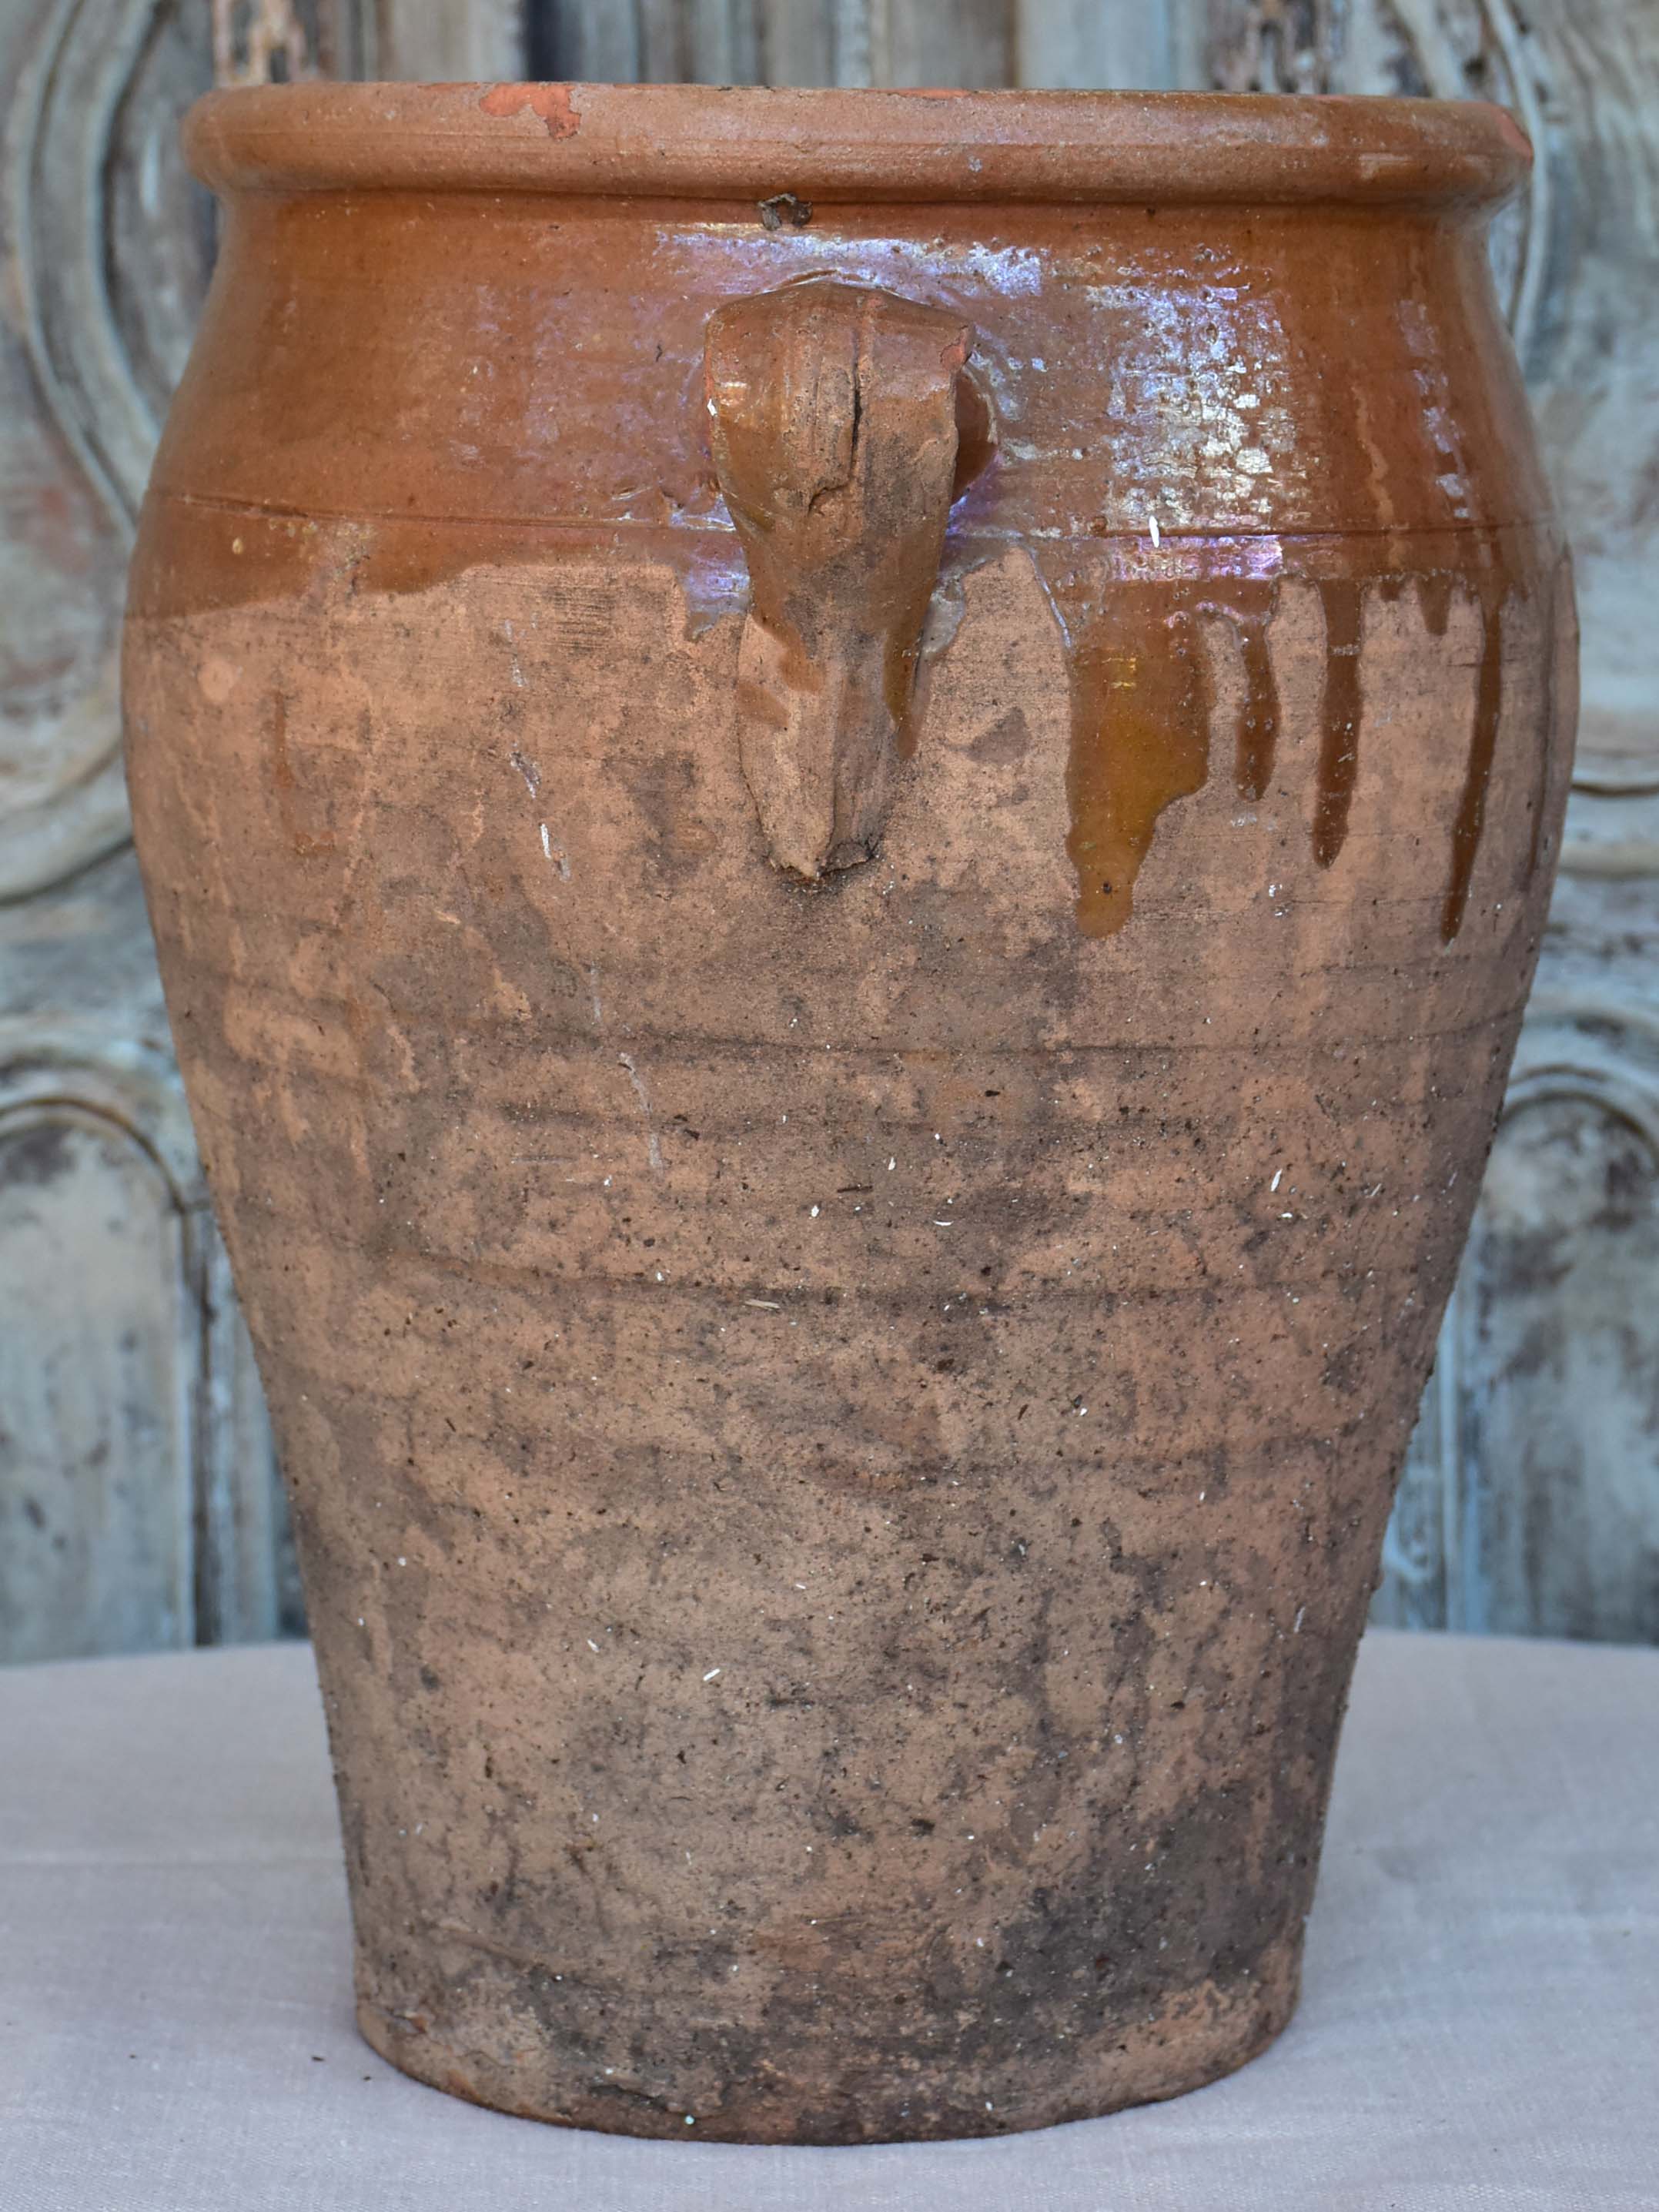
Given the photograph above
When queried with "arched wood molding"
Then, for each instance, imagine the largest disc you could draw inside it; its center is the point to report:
(88, 348)
(1464, 1491)
(136, 1480)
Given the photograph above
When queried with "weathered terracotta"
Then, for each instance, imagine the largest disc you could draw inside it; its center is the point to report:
(843, 1187)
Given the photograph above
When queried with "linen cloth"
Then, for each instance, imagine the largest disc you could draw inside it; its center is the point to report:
(1480, 2026)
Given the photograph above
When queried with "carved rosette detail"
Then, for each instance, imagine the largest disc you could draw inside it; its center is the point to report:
(111, 246)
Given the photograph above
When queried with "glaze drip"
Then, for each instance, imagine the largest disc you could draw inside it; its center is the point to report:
(1139, 739)
(1257, 737)
(1434, 596)
(1338, 747)
(1472, 806)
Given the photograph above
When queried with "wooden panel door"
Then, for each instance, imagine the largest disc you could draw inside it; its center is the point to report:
(139, 1503)
(137, 1500)
(1531, 1497)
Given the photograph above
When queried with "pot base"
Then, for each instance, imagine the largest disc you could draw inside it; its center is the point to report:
(838, 2090)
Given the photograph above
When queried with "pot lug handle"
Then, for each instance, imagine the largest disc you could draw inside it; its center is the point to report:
(841, 417)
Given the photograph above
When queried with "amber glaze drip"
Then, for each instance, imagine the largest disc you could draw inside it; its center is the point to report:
(1338, 747)
(1472, 807)
(1434, 596)
(1257, 741)
(1140, 741)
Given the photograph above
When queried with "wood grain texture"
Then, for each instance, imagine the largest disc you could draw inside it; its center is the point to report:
(1530, 1501)
(1567, 1543)
(96, 1525)
(783, 42)
(1065, 43)
(139, 1503)
(674, 42)
(479, 42)
(1075, 44)
(137, 1500)
(107, 246)
(1528, 1505)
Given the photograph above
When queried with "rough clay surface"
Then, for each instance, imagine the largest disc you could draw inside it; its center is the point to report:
(841, 1432)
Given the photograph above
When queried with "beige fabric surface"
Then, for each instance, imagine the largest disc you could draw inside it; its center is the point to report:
(1480, 2027)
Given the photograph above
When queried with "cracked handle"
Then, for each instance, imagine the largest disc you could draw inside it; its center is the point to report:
(844, 425)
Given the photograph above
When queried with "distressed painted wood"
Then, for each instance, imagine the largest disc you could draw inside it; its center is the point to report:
(478, 42)
(1062, 43)
(1553, 1359)
(138, 1499)
(138, 1505)
(1075, 44)
(96, 1374)
(1531, 1497)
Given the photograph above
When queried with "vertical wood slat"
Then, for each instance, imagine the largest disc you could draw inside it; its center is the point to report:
(137, 1499)
(844, 42)
(242, 1538)
(1069, 44)
(798, 45)
(695, 42)
(482, 42)
(584, 45)
(1064, 44)
(1078, 46)
(1530, 1502)
(970, 44)
(96, 1362)
(1560, 1368)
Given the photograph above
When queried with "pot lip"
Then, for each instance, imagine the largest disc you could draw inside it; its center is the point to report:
(755, 143)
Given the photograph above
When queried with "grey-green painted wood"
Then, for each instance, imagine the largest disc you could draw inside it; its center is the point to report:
(138, 1501)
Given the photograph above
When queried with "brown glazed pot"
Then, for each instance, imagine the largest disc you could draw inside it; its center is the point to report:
(847, 798)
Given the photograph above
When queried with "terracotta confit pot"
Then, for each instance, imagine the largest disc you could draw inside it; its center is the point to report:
(847, 798)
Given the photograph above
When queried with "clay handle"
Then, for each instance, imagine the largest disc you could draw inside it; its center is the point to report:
(834, 412)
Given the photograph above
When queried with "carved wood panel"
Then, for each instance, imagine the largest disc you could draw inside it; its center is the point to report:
(1532, 1498)
(138, 1502)
(96, 1523)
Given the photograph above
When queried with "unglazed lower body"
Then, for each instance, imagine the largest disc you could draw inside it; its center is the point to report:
(870, 2081)
(840, 1435)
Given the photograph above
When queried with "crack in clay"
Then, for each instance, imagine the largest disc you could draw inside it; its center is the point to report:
(1142, 703)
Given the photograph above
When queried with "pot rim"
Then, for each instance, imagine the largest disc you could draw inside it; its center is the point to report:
(753, 144)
